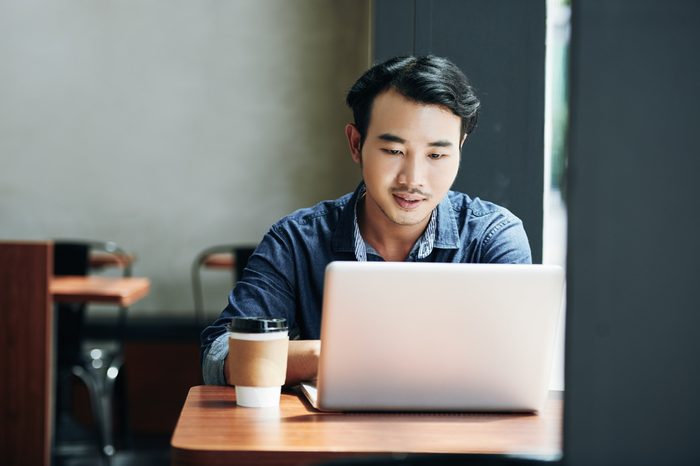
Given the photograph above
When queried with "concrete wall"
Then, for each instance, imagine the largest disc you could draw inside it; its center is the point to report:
(172, 126)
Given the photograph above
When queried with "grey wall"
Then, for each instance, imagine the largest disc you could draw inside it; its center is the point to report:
(172, 126)
(500, 46)
(633, 357)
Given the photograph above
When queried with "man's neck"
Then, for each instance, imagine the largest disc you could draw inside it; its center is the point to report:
(393, 242)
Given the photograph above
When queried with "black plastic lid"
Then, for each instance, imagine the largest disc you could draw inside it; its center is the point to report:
(257, 325)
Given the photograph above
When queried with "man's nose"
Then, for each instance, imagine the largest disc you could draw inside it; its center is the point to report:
(412, 172)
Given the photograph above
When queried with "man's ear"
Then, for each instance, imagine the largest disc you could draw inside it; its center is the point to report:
(355, 142)
(464, 138)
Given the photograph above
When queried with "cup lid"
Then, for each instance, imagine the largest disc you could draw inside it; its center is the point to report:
(257, 325)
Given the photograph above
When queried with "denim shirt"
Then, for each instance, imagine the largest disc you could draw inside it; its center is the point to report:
(284, 276)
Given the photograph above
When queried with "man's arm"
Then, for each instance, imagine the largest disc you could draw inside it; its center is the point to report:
(506, 242)
(302, 361)
(265, 289)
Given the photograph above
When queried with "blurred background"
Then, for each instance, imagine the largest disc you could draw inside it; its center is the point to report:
(172, 126)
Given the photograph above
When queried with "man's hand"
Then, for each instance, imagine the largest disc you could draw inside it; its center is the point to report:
(302, 361)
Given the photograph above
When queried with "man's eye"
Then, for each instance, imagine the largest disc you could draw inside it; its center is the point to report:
(393, 151)
(436, 156)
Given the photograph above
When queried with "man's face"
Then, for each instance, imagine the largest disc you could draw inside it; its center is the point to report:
(409, 159)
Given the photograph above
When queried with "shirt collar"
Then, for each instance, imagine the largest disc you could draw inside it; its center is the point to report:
(343, 236)
(358, 241)
(447, 232)
(441, 231)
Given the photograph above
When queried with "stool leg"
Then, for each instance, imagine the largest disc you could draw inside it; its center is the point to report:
(110, 377)
(120, 401)
(102, 406)
(121, 406)
(106, 428)
(93, 382)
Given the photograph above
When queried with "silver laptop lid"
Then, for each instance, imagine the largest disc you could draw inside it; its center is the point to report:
(436, 336)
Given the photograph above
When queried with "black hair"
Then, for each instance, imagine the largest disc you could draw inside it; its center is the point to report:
(425, 79)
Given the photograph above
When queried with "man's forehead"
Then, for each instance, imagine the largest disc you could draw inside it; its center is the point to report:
(397, 118)
(393, 97)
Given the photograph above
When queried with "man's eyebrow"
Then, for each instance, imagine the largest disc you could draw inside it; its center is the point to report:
(394, 138)
(391, 138)
(441, 143)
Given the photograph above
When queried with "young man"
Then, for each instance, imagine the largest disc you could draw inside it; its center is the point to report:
(412, 116)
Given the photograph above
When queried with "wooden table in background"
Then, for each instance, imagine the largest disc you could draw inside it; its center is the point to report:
(94, 289)
(220, 261)
(212, 430)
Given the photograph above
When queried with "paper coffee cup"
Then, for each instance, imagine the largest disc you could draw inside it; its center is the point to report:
(257, 360)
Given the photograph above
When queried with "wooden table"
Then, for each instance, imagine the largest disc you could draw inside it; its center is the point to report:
(212, 430)
(95, 289)
(26, 339)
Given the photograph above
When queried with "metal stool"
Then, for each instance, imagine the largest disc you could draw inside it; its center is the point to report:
(98, 369)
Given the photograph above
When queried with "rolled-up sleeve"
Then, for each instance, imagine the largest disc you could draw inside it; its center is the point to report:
(213, 361)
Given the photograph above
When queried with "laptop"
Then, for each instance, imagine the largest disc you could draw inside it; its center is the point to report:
(400, 336)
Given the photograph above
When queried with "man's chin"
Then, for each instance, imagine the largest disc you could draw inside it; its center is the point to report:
(409, 218)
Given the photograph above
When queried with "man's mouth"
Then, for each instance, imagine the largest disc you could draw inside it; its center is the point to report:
(407, 201)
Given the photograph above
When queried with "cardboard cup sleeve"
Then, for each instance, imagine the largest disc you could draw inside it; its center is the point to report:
(257, 363)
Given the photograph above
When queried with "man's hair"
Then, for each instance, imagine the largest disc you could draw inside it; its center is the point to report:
(426, 79)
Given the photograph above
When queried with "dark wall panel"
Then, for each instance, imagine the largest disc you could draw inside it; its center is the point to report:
(632, 356)
(393, 31)
(500, 45)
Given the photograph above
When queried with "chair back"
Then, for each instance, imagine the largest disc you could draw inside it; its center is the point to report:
(70, 258)
(238, 259)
